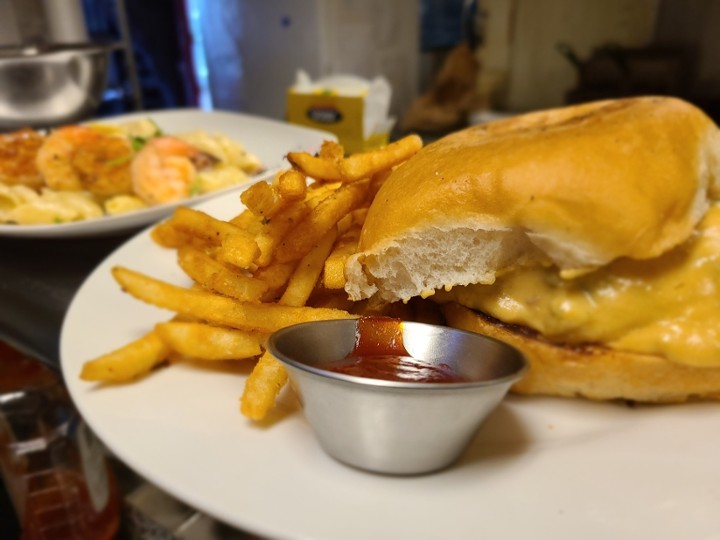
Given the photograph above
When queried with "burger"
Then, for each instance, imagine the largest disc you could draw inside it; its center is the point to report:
(586, 236)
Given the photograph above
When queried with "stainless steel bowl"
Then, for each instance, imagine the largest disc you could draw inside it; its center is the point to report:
(396, 427)
(53, 85)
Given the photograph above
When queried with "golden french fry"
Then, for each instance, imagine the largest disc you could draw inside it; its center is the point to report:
(318, 168)
(212, 230)
(221, 310)
(366, 164)
(239, 250)
(269, 376)
(129, 362)
(320, 220)
(292, 238)
(262, 199)
(167, 235)
(353, 220)
(275, 276)
(276, 229)
(248, 222)
(208, 342)
(317, 193)
(291, 185)
(331, 150)
(215, 276)
(329, 167)
(334, 270)
(262, 387)
(359, 216)
(308, 271)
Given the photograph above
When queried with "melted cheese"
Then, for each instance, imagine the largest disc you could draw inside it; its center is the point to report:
(668, 306)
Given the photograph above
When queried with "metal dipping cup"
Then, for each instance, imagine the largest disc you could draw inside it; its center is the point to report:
(390, 427)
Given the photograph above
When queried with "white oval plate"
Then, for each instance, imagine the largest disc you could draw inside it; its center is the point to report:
(539, 468)
(269, 140)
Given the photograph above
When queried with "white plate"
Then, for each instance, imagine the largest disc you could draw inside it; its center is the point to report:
(269, 140)
(541, 468)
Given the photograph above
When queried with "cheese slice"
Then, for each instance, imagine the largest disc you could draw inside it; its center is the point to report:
(667, 306)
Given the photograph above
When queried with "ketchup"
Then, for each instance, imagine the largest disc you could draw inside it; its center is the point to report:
(379, 353)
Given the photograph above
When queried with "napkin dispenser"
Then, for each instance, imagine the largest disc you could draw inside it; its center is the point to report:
(356, 110)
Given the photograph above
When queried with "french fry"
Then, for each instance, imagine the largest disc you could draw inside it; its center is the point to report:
(201, 225)
(214, 276)
(331, 150)
(129, 362)
(262, 387)
(318, 168)
(308, 271)
(354, 219)
(275, 276)
(269, 376)
(366, 164)
(248, 222)
(262, 199)
(320, 220)
(278, 262)
(334, 269)
(317, 193)
(167, 235)
(328, 167)
(221, 310)
(291, 185)
(276, 229)
(239, 250)
(208, 342)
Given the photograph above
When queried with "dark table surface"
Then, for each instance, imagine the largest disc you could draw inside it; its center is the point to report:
(38, 279)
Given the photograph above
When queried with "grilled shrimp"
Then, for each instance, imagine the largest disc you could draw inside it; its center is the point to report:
(75, 158)
(166, 168)
(17, 158)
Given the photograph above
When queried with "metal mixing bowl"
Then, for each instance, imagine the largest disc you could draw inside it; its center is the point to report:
(51, 85)
(396, 427)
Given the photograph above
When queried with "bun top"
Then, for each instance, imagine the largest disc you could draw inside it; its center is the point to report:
(577, 186)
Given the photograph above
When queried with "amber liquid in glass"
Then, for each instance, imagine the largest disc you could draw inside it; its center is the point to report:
(54, 469)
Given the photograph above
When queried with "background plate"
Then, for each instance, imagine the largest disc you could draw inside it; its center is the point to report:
(540, 467)
(269, 140)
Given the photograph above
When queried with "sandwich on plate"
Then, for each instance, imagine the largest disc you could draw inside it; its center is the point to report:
(586, 236)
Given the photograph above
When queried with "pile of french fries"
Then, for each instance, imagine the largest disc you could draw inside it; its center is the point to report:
(279, 262)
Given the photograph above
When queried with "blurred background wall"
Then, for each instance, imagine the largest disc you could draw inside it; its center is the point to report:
(612, 47)
(528, 54)
(254, 48)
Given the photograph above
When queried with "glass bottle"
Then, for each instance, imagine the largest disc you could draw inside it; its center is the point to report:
(55, 471)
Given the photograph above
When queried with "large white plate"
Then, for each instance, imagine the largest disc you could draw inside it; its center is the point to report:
(269, 140)
(541, 468)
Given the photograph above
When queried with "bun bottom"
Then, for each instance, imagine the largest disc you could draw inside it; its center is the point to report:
(592, 372)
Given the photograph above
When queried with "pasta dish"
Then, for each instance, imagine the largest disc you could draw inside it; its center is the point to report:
(80, 172)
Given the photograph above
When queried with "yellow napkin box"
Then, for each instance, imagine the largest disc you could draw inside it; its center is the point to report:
(350, 108)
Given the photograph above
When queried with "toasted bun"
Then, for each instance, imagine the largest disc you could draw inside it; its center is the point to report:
(592, 372)
(577, 186)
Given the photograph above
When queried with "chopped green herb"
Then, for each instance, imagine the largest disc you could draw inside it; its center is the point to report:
(119, 161)
(138, 142)
(196, 187)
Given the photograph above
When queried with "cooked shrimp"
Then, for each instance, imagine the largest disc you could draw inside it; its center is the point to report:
(75, 158)
(166, 168)
(17, 158)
